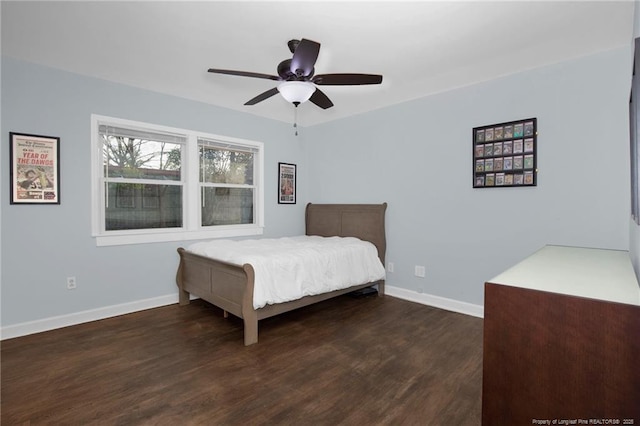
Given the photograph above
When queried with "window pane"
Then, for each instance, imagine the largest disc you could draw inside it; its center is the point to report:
(227, 206)
(224, 165)
(138, 206)
(142, 159)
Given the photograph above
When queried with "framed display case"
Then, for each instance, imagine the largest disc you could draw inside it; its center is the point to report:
(504, 154)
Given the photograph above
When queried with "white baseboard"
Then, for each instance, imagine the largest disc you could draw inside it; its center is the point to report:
(435, 301)
(46, 324)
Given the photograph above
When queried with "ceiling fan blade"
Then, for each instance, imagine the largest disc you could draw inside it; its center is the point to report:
(346, 79)
(262, 96)
(320, 99)
(244, 74)
(304, 57)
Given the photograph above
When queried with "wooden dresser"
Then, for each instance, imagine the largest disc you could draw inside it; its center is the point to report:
(562, 340)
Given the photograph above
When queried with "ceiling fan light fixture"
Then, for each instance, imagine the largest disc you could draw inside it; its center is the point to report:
(296, 92)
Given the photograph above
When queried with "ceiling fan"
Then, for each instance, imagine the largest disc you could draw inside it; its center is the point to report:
(298, 83)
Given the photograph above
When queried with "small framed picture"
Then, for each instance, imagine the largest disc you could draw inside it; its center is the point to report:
(479, 151)
(479, 165)
(528, 128)
(497, 164)
(488, 135)
(35, 169)
(517, 146)
(518, 130)
(480, 136)
(507, 147)
(517, 162)
(508, 131)
(528, 161)
(497, 148)
(488, 165)
(488, 150)
(528, 145)
(287, 183)
(499, 179)
(518, 179)
(508, 179)
(498, 133)
(508, 163)
(528, 178)
(489, 179)
(479, 181)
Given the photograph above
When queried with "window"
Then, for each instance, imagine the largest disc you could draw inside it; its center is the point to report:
(154, 183)
(226, 183)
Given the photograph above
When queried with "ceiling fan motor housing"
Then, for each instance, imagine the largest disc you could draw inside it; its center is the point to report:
(286, 73)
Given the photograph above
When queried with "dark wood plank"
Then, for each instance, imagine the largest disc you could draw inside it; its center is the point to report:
(355, 361)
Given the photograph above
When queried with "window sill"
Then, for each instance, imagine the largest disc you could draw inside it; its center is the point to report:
(178, 235)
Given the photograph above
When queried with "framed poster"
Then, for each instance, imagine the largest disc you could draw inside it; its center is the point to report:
(34, 169)
(286, 183)
(505, 154)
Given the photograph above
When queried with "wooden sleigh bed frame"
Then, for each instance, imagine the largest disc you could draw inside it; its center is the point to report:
(230, 287)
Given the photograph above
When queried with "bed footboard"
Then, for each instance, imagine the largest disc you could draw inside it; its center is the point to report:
(225, 285)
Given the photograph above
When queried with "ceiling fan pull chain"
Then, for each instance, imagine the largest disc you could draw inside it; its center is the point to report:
(295, 119)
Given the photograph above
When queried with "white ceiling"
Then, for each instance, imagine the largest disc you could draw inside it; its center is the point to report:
(420, 47)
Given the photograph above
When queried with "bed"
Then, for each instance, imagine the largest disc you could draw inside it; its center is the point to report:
(230, 286)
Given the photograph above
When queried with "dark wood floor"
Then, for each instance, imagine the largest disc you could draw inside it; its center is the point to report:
(351, 361)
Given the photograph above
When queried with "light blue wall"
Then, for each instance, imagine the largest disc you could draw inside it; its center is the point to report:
(417, 156)
(43, 244)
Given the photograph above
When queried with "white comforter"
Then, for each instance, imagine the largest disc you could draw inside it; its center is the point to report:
(289, 268)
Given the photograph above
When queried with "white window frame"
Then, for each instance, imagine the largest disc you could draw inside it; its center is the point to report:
(191, 228)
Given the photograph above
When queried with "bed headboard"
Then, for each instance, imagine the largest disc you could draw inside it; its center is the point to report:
(364, 221)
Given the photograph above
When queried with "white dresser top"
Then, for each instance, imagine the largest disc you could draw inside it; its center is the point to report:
(576, 271)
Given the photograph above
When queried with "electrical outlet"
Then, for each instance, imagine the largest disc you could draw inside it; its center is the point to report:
(420, 271)
(71, 283)
(390, 266)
